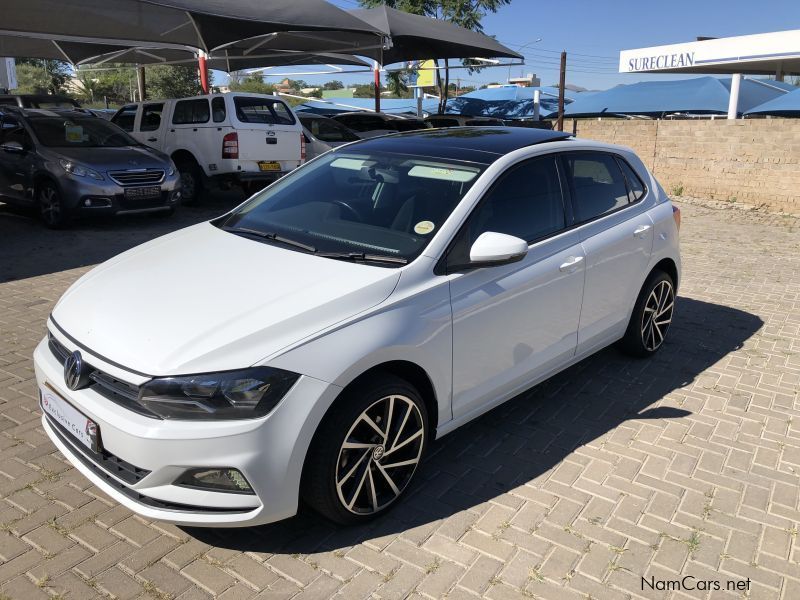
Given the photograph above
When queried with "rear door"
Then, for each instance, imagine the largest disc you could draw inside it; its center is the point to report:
(269, 134)
(617, 236)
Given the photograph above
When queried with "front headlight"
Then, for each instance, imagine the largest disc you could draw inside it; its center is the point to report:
(243, 394)
(79, 170)
(171, 170)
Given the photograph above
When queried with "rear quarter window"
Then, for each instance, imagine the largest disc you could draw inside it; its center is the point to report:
(262, 110)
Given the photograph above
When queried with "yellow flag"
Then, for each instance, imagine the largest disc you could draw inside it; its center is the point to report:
(427, 74)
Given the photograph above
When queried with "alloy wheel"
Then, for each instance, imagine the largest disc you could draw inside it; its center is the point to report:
(379, 455)
(50, 205)
(657, 315)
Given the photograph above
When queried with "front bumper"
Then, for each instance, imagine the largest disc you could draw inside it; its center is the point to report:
(142, 457)
(85, 196)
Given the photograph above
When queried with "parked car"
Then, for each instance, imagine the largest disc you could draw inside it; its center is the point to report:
(68, 163)
(446, 120)
(322, 134)
(38, 101)
(373, 124)
(312, 342)
(226, 138)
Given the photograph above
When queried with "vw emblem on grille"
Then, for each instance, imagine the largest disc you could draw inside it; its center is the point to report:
(74, 376)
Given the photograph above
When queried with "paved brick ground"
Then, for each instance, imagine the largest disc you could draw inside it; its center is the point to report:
(615, 470)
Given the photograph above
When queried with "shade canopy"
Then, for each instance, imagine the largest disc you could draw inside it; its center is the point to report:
(73, 52)
(221, 61)
(701, 95)
(506, 102)
(203, 24)
(787, 105)
(415, 37)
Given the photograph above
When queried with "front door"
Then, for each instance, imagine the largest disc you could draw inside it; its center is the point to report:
(515, 323)
(15, 166)
(151, 125)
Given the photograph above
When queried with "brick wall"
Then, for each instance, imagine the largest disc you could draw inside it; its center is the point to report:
(750, 161)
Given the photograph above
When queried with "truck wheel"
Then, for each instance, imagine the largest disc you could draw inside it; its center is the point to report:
(191, 182)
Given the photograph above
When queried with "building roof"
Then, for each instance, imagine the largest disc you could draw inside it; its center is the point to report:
(474, 144)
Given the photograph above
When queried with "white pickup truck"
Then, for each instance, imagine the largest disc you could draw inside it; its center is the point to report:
(245, 139)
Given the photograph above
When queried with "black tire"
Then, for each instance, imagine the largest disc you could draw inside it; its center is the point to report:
(51, 206)
(651, 318)
(329, 462)
(192, 183)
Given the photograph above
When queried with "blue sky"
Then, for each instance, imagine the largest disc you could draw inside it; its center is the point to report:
(593, 33)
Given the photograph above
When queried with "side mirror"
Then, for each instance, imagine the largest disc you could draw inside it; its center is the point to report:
(493, 248)
(12, 148)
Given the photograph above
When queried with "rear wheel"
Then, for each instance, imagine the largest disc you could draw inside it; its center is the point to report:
(652, 316)
(51, 207)
(366, 452)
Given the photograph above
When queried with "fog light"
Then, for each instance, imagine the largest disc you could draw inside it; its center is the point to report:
(215, 479)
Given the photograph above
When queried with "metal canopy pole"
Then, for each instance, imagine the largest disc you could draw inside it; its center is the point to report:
(562, 82)
(203, 65)
(377, 73)
(141, 83)
(733, 103)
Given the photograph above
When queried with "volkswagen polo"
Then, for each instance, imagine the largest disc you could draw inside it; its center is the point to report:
(311, 343)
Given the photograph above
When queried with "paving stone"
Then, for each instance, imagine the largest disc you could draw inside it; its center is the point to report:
(684, 463)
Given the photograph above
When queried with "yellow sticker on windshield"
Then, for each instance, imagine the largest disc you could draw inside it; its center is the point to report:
(73, 133)
(424, 227)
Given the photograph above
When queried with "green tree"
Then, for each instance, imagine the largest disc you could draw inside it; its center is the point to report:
(467, 13)
(333, 85)
(253, 83)
(107, 81)
(171, 81)
(37, 76)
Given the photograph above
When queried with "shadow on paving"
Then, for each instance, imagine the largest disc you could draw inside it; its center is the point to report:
(528, 435)
(29, 249)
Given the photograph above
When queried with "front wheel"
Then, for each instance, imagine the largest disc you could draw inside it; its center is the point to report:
(366, 452)
(652, 316)
(51, 207)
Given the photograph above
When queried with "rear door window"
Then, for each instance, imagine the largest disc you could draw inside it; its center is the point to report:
(262, 110)
(597, 185)
(191, 112)
(126, 117)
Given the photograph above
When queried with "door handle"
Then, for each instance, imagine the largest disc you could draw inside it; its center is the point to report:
(571, 265)
(152, 139)
(641, 230)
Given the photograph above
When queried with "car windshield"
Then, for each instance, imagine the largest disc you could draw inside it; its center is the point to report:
(358, 205)
(328, 130)
(79, 132)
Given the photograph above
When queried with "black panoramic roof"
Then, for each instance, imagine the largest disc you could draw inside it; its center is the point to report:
(473, 144)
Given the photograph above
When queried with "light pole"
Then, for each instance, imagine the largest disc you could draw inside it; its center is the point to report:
(536, 41)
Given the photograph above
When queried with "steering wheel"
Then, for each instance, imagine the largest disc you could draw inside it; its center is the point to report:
(350, 210)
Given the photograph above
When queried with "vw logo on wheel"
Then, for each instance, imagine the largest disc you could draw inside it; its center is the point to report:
(73, 371)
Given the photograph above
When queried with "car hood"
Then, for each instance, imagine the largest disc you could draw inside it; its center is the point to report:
(202, 299)
(113, 159)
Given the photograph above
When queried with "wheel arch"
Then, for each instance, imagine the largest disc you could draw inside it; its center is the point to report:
(183, 155)
(668, 266)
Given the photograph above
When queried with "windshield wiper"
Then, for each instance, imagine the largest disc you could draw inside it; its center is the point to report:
(361, 257)
(269, 235)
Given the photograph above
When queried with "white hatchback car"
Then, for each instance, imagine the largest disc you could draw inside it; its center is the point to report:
(312, 342)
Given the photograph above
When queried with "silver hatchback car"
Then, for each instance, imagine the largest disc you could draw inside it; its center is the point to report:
(68, 162)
